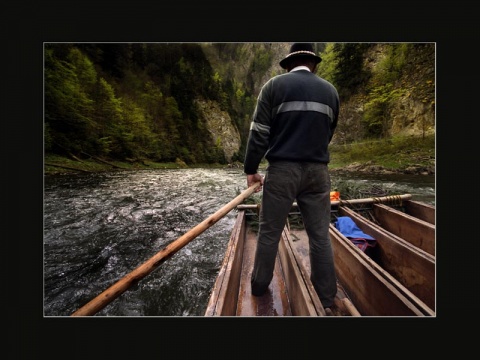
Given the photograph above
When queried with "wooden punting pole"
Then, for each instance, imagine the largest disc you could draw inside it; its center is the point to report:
(392, 199)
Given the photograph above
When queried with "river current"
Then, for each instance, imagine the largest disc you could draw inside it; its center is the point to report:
(100, 227)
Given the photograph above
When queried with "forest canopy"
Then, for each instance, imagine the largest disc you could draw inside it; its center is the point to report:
(137, 101)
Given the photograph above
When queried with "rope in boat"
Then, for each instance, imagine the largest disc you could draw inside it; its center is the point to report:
(362, 206)
(395, 200)
(366, 209)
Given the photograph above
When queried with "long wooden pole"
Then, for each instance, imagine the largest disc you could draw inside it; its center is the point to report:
(147, 267)
(374, 200)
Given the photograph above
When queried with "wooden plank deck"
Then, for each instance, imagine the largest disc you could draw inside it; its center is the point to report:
(410, 265)
(418, 232)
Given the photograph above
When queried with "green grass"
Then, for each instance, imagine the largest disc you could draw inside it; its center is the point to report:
(395, 153)
(68, 165)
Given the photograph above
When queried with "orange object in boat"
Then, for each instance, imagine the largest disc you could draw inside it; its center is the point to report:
(334, 195)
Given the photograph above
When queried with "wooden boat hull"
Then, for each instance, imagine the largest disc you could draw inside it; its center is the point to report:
(365, 287)
(418, 232)
(420, 210)
(231, 294)
(413, 267)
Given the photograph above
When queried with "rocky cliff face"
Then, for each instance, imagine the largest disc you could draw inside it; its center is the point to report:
(411, 116)
(414, 113)
(238, 70)
(221, 126)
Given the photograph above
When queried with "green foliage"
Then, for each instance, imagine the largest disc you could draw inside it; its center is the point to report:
(128, 100)
(217, 78)
(103, 145)
(185, 155)
(240, 95)
(109, 115)
(376, 117)
(349, 74)
(390, 68)
(136, 101)
(138, 140)
(68, 105)
(262, 60)
(327, 67)
(47, 138)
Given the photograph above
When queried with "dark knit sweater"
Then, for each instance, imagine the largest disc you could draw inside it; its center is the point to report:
(294, 120)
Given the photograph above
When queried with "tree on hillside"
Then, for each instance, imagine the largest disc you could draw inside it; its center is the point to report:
(350, 74)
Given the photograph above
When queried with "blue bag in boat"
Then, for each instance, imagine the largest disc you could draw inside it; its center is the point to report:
(350, 230)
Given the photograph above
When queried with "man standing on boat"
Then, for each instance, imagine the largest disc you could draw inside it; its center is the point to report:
(294, 120)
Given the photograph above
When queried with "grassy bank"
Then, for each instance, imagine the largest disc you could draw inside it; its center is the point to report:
(395, 154)
(56, 164)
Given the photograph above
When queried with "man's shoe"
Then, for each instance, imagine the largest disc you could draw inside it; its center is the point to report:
(329, 312)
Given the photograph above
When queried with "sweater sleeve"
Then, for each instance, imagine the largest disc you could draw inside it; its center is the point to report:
(333, 124)
(258, 138)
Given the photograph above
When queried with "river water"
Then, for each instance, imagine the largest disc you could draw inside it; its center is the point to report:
(100, 227)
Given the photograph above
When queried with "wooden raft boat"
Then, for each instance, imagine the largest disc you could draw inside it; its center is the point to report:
(396, 279)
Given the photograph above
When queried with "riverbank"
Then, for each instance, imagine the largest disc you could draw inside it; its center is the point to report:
(398, 155)
(401, 155)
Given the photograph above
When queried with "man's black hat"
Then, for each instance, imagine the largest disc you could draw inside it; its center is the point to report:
(300, 49)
